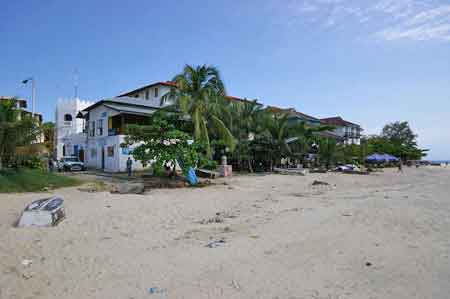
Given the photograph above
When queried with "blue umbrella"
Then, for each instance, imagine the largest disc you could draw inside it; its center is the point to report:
(376, 158)
(390, 158)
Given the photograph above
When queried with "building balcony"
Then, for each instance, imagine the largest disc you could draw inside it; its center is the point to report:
(352, 135)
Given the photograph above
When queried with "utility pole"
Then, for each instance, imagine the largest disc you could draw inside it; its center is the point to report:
(75, 82)
(33, 97)
(33, 93)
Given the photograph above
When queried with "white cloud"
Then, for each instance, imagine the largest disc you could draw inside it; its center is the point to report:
(390, 20)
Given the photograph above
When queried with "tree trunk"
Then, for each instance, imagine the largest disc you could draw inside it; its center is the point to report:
(250, 168)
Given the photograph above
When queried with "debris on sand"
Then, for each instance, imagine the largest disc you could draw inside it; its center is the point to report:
(320, 183)
(26, 262)
(215, 219)
(97, 186)
(290, 171)
(128, 188)
(156, 290)
(215, 243)
(235, 285)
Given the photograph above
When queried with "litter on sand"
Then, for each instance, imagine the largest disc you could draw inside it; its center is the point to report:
(215, 243)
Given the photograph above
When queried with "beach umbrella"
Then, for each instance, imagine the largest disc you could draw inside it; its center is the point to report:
(376, 158)
(390, 158)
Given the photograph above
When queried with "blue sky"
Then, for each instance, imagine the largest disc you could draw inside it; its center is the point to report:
(371, 62)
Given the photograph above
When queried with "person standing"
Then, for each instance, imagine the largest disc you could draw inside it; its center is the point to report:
(50, 165)
(400, 166)
(129, 166)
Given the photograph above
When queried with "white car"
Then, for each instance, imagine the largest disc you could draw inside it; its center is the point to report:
(70, 163)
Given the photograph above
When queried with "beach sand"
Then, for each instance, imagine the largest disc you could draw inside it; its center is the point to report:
(386, 235)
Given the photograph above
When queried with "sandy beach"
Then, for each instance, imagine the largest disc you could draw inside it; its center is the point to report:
(386, 235)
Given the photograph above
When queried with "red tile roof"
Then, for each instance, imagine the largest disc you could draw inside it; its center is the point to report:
(338, 121)
(292, 112)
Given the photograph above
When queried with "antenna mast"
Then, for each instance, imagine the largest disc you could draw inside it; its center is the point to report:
(75, 82)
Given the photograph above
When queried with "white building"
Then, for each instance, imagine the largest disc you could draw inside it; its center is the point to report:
(104, 124)
(70, 135)
(350, 132)
(106, 121)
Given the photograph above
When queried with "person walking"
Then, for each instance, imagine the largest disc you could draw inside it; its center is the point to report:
(129, 166)
(400, 166)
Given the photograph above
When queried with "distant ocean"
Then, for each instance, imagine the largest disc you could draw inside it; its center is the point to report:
(440, 161)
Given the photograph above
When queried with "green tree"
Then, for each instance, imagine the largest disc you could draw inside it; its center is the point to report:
(396, 139)
(161, 142)
(399, 133)
(16, 129)
(242, 118)
(48, 129)
(198, 91)
(271, 138)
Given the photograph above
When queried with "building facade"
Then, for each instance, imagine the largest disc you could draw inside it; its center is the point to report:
(350, 132)
(107, 119)
(70, 133)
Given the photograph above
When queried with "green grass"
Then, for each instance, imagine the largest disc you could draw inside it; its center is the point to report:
(32, 180)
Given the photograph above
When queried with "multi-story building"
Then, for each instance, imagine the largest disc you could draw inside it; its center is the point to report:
(350, 132)
(106, 121)
(21, 105)
(70, 134)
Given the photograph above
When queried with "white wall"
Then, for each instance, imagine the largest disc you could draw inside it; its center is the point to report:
(154, 101)
(99, 143)
(69, 133)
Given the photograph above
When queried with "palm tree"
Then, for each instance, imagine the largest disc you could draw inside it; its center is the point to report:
(272, 137)
(242, 118)
(302, 135)
(198, 91)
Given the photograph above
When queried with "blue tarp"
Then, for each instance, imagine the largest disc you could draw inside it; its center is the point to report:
(191, 177)
(379, 158)
(375, 158)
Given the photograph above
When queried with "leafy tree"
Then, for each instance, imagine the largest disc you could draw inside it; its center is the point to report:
(197, 92)
(399, 133)
(161, 142)
(16, 129)
(398, 140)
(48, 129)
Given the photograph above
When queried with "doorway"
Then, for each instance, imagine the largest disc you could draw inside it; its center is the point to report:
(103, 157)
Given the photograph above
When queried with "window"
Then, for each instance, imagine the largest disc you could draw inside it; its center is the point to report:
(92, 129)
(146, 94)
(67, 117)
(93, 153)
(110, 150)
(100, 127)
(156, 92)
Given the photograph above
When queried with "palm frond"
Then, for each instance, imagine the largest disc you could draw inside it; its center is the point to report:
(224, 132)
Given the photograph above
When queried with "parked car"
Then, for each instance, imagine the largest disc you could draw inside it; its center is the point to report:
(70, 163)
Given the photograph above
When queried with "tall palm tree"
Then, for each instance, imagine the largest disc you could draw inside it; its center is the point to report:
(241, 117)
(198, 91)
(271, 137)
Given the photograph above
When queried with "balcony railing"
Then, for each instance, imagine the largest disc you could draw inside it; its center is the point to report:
(114, 132)
(352, 135)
